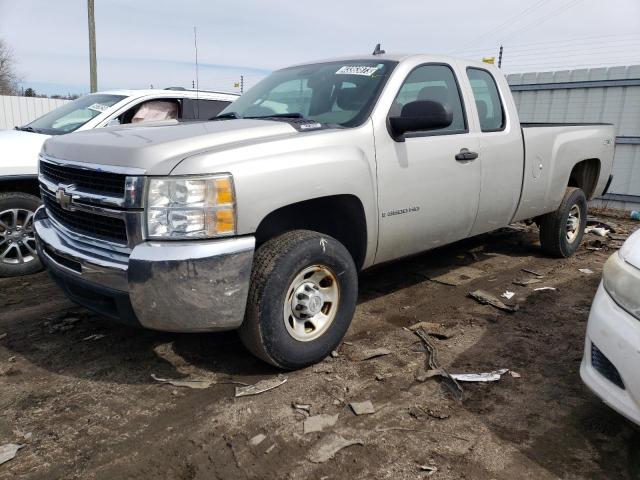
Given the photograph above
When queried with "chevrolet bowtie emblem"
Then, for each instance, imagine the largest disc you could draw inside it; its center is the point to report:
(64, 198)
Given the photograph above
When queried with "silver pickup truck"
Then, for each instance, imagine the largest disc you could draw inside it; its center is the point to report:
(261, 219)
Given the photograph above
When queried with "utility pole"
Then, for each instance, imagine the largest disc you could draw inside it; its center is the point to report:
(500, 58)
(93, 67)
(241, 84)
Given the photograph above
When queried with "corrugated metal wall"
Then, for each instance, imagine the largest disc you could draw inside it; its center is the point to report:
(16, 111)
(610, 95)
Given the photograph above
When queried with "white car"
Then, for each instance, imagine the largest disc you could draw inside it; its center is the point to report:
(611, 363)
(19, 149)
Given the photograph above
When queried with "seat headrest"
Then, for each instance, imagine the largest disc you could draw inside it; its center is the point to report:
(481, 105)
(437, 93)
(351, 98)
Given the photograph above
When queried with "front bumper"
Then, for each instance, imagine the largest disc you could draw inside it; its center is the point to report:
(181, 286)
(616, 334)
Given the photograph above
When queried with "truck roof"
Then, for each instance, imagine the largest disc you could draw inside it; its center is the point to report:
(400, 57)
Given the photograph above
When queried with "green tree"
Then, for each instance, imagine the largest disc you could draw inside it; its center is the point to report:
(30, 92)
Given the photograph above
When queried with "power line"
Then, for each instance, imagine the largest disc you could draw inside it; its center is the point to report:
(539, 21)
(511, 19)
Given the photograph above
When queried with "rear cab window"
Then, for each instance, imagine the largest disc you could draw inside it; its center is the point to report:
(435, 82)
(487, 98)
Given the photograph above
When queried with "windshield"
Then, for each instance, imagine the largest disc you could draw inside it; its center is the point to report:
(73, 115)
(338, 93)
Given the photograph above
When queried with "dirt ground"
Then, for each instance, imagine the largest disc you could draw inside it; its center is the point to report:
(77, 390)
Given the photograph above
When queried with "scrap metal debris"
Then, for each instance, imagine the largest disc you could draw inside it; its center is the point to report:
(529, 281)
(532, 272)
(508, 295)
(95, 336)
(618, 237)
(588, 271)
(270, 449)
(318, 423)
(436, 330)
(434, 368)
(541, 289)
(303, 408)
(373, 353)
(196, 384)
(600, 231)
(261, 387)
(455, 277)
(430, 469)
(257, 440)
(480, 377)
(486, 298)
(362, 408)
(326, 448)
(8, 451)
(514, 374)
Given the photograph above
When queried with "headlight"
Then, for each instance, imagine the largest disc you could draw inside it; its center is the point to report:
(190, 207)
(622, 281)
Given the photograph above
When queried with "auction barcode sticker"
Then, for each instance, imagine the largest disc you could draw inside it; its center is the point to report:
(357, 70)
(97, 107)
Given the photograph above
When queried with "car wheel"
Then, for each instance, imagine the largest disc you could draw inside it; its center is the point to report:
(18, 254)
(561, 231)
(302, 298)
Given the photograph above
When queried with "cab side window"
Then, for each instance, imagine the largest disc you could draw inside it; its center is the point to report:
(485, 93)
(436, 83)
(201, 109)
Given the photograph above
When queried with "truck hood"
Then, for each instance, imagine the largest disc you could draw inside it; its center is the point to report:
(19, 152)
(157, 149)
(630, 251)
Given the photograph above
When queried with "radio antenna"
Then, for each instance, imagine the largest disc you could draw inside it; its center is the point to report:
(378, 50)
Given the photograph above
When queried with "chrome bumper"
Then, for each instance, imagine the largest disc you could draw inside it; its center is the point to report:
(186, 286)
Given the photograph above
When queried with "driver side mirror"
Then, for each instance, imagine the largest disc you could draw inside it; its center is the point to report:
(419, 116)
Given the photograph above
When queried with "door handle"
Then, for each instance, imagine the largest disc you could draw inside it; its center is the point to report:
(466, 155)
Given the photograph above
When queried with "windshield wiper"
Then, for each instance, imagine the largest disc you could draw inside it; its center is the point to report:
(27, 128)
(281, 115)
(224, 116)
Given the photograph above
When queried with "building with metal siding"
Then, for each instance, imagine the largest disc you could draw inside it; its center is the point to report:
(610, 95)
(15, 111)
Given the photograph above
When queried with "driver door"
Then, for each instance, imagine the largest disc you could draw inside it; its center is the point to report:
(427, 197)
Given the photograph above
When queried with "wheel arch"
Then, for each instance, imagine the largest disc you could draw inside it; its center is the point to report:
(585, 175)
(340, 216)
(20, 183)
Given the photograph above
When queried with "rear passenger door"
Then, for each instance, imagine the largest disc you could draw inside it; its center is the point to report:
(427, 196)
(501, 149)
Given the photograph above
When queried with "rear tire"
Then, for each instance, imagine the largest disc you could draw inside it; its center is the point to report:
(302, 298)
(561, 231)
(17, 241)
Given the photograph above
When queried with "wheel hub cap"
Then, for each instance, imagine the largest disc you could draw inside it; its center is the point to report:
(573, 224)
(311, 303)
(17, 239)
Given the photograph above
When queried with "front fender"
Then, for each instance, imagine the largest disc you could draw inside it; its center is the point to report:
(272, 175)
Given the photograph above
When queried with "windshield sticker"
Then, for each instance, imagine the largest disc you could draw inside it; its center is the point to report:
(357, 70)
(98, 107)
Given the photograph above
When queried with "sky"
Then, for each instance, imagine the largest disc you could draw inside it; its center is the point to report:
(141, 43)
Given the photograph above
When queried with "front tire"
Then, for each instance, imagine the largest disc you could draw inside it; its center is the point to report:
(561, 231)
(17, 239)
(302, 298)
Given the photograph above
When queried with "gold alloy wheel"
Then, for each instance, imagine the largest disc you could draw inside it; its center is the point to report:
(311, 303)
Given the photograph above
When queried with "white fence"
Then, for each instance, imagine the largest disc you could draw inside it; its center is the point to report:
(610, 95)
(15, 111)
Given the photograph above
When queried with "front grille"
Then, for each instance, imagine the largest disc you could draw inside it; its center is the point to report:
(605, 368)
(98, 226)
(93, 181)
